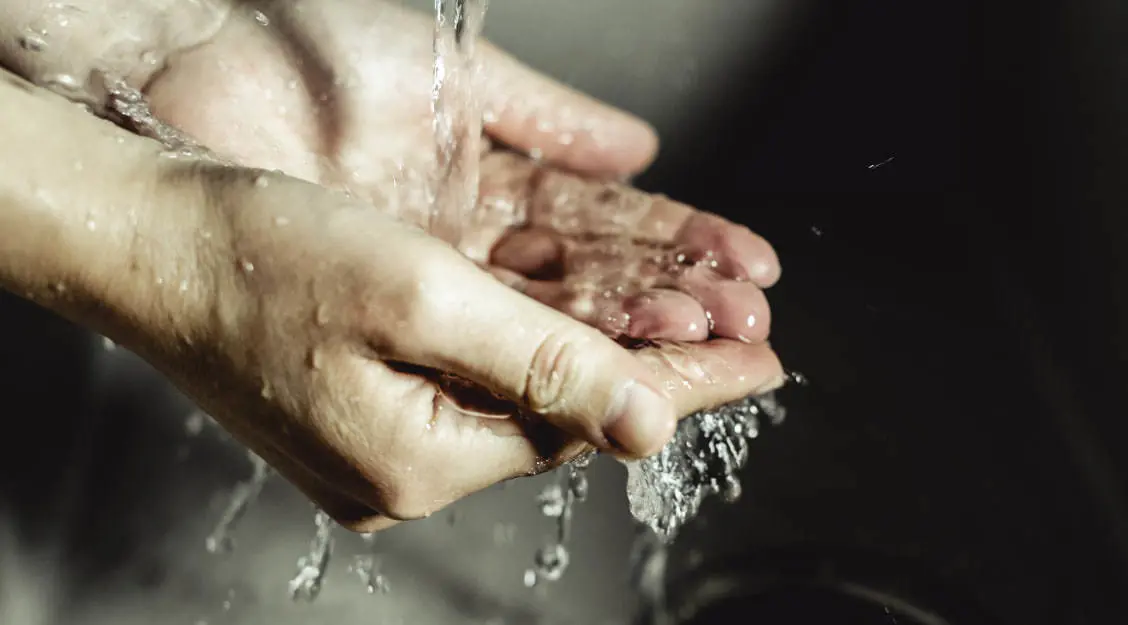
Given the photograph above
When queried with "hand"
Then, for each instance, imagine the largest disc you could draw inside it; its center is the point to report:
(337, 92)
(340, 401)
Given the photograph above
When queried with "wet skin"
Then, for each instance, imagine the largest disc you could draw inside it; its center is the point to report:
(313, 324)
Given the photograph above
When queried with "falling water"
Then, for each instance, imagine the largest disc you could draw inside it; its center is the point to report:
(557, 501)
(244, 494)
(367, 567)
(457, 116)
(306, 583)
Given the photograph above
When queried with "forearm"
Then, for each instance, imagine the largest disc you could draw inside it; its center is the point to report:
(81, 206)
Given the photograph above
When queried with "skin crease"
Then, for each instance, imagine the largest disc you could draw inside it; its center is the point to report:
(311, 324)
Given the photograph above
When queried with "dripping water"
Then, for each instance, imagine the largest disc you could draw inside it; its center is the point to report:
(221, 541)
(306, 583)
(557, 501)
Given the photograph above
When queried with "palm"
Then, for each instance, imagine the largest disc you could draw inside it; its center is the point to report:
(338, 92)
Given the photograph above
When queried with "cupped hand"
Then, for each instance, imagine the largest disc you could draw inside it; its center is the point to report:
(348, 369)
(338, 93)
(338, 337)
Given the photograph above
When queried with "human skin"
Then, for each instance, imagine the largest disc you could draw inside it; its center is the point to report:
(316, 325)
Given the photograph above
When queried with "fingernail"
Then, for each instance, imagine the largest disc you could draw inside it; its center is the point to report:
(640, 420)
(771, 385)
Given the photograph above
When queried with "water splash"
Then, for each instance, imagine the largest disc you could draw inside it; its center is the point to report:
(306, 583)
(220, 541)
(708, 449)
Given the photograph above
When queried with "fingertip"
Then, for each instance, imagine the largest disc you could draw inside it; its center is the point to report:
(641, 420)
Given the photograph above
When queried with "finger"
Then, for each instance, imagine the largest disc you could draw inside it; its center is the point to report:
(533, 252)
(449, 438)
(734, 310)
(554, 200)
(538, 115)
(576, 377)
(733, 250)
(699, 376)
(656, 314)
(661, 314)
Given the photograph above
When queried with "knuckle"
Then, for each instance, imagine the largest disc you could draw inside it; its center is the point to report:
(556, 367)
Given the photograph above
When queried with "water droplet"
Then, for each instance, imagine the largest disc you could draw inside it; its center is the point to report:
(551, 562)
(314, 359)
(108, 345)
(732, 489)
(815, 230)
(246, 266)
(149, 58)
(183, 288)
(551, 501)
(292, 84)
(578, 484)
(62, 82)
(261, 18)
(91, 225)
(262, 182)
(59, 287)
(530, 578)
(536, 154)
(194, 424)
(33, 41)
(267, 390)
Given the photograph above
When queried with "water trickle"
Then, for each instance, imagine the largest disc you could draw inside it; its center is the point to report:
(557, 501)
(367, 567)
(220, 540)
(306, 583)
(457, 116)
(129, 107)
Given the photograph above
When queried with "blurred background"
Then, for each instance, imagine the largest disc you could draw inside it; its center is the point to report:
(945, 183)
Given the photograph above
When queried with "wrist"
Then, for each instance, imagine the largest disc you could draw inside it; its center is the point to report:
(90, 227)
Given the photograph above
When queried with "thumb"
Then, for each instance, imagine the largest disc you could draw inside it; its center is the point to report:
(577, 378)
(535, 114)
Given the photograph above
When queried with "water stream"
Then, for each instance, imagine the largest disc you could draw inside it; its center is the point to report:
(457, 114)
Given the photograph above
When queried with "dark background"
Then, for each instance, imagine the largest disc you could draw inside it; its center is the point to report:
(958, 309)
